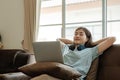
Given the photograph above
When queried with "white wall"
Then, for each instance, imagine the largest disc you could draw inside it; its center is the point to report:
(11, 23)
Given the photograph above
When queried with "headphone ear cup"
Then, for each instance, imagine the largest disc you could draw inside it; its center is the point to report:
(80, 47)
(72, 47)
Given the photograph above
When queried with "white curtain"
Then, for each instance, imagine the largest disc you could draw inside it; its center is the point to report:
(38, 10)
(30, 23)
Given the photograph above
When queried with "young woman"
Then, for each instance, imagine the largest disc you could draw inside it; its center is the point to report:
(82, 51)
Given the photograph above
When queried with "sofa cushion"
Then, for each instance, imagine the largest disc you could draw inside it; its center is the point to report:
(21, 58)
(45, 77)
(92, 74)
(109, 64)
(14, 76)
(51, 68)
(11, 59)
(6, 58)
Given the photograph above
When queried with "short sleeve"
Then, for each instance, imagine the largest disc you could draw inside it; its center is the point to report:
(94, 52)
(65, 49)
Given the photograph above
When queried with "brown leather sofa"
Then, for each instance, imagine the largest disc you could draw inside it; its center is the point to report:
(108, 66)
(10, 60)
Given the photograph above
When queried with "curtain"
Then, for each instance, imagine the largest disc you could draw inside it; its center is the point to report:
(29, 24)
(38, 10)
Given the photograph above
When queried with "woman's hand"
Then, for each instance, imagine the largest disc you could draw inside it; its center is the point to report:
(65, 41)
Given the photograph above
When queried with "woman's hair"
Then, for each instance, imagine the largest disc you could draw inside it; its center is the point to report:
(88, 35)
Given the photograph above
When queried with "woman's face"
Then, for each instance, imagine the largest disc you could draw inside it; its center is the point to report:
(80, 37)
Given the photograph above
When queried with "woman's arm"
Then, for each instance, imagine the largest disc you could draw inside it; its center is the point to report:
(65, 41)
(99, 41)
(105, 43)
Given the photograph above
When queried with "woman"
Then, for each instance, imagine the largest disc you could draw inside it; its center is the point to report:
(82, 50)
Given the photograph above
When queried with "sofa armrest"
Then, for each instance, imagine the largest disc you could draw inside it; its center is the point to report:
(11, 59)
(20, 59)
(109, 64)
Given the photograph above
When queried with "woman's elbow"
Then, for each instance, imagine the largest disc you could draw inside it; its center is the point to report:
(106, 44)
(113, 39)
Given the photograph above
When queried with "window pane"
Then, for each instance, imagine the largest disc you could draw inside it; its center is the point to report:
(94, 28)
(114, 30)
(113, 10)
(87, 13)
(113, 17)
(51, 12)
(49, 33)
(50, 20)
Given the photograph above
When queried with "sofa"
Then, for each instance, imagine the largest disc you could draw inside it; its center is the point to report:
(105, 67)
(10, 60)
(108, 66)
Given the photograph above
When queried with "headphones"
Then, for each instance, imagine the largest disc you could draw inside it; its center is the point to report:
(79, 47)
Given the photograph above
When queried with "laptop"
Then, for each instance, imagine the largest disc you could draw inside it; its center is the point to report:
(48, 51)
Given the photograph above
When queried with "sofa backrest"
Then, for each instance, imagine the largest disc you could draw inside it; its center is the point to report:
(109, 64)
(11, 59)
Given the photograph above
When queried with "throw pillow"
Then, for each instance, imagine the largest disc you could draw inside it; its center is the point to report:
(45, 77)
(93, 70)
(54, 69)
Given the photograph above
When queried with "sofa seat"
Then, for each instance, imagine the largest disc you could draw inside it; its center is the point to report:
(14, 76)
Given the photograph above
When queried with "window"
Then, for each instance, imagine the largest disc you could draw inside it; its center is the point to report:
(59, 18)
(87, 14)
(113, 18)
(50, 20)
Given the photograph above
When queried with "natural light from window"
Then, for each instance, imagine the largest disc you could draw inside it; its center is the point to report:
(87, 13)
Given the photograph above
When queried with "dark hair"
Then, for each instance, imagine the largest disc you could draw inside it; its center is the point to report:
(89, 43)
